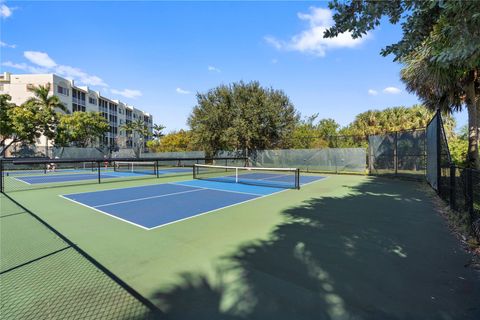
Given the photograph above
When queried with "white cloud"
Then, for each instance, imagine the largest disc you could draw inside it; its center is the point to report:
(80, 76)
(24, 67)
(214, 69)
(274, 61)
(45, 64)
(372, 92)
(311, 40)
(182, 91)
(6, 45)
(127, 93)
(391, 90)
(39, 58)
(5, 11)
(277, 44)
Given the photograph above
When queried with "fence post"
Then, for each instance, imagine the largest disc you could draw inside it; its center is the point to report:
(99, 170)
(395, 153)
(453, 177)
(369, 156)
(439, 150)
(470, 194)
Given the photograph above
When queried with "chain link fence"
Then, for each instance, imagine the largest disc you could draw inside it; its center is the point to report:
(459, 187)
(399, 154)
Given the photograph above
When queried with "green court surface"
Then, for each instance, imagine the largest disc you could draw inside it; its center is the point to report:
(345, 247)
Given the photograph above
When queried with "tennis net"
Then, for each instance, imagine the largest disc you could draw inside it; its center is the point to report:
(143, 167)
(268, 177)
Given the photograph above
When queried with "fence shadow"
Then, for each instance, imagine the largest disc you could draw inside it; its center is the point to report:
(380, 252)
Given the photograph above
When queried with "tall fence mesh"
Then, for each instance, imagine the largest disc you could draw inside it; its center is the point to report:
(459, 187)
(398, 153)
(341, 160)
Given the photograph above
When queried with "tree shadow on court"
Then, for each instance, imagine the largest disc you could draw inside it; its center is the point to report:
(379, 252)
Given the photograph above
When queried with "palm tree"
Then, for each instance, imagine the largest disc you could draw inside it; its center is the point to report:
(446, 89)
(48, 106)
(157, 131)
(136, 127)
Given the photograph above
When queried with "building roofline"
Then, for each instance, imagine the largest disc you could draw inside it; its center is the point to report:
(84, 89)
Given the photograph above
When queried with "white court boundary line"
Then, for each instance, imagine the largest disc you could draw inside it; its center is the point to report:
(179, 220)
(181, 183)
(146, 198)
(210, 211)
(22, 180)
(106, 213)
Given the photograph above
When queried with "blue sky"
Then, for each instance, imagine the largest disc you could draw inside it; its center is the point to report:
(157, 55)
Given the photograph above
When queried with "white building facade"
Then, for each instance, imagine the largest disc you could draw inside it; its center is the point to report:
(80, 99)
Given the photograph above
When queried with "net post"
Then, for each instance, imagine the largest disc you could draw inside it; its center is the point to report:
(297, 178)
(193, 171)
(1, 176)
(99, 170)
(452, 187)
(236, 175)
(156, 168)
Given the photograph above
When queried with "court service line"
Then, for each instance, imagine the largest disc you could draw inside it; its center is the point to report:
(216, 189)
(172, 222)
(106, 213)
(221, 208)
(147, 198)
(232, 205)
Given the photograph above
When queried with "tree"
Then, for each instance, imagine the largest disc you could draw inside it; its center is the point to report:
(446, 36)
(24, 123)
(458, 146)
(136, 129)
(173, 142)
(48, 106)
(242, 117)
(309, 134)
(373, 122)
(158, 131)
(7, 129)
(81, 129)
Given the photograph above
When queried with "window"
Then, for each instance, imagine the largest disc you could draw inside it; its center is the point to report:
(92, 100)
(78, 108)
(62, 90)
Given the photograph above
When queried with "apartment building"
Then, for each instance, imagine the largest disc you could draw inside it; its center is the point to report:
(80, 99)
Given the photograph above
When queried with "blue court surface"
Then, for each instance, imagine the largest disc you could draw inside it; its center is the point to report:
(55, 177)
(158, 205)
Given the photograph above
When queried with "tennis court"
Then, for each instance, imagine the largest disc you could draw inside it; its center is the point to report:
(67, 176)
(233, 243)
(154, 206)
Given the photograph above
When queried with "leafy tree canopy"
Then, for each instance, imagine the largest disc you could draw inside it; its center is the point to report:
(242, 117)
(374, 122)
(440, 48)
(24, 123)
(173, 142)
(310, 134)
(81, 129)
